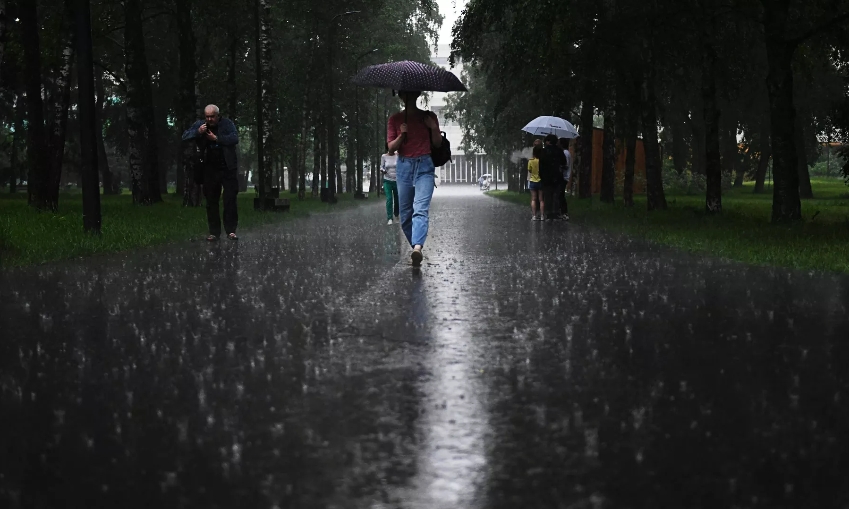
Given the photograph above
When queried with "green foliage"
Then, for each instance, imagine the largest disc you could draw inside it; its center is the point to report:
(28, 237)
(689, 183)
(821, 242)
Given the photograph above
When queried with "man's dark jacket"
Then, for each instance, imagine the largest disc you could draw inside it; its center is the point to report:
(549, 166)
(228, 138)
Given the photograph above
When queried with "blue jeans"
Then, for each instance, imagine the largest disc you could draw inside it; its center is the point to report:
(415, 189)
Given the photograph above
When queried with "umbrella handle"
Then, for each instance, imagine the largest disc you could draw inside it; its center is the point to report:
(404, 135)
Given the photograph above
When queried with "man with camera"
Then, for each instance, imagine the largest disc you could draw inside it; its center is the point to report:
(217, 138)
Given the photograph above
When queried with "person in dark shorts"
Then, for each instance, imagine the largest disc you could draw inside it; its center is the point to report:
(535, 186)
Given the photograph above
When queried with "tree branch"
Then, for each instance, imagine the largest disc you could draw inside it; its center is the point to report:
(110, 73)
(146, 18)
(820, 28)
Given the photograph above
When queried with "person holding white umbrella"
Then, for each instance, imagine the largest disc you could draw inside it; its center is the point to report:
(552, 176)
(545, 125)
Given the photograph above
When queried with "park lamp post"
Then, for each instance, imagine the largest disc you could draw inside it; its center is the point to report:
(331, 128)
(359, 158)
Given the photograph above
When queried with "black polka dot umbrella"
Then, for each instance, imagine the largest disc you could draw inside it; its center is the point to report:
(409, 75)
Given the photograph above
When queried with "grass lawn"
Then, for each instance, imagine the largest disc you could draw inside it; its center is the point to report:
(743, 231)
(29, 237)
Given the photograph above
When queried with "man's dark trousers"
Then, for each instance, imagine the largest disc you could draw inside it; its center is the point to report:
(552, 200)
(217, 176)
(561, 193)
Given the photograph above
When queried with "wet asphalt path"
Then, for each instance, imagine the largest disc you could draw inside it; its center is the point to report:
(526, 365)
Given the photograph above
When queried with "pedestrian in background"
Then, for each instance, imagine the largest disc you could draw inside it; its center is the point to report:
(535, 186)
(388, 165)
(217, 138)
(551, 162)
(567, 175)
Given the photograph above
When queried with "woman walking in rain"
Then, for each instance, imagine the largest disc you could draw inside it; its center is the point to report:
(412, 132)
(388, 164)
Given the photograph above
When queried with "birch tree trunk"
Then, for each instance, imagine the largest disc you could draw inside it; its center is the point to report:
(316, 161)
(110, 186)
(265, 158)
(16, 142)
(608, 167)
(585, 184)
(59, 121)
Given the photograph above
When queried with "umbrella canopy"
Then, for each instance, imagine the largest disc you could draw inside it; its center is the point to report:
(409, 75)
(541, 126)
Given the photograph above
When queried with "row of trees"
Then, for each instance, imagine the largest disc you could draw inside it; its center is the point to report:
(689, 76)
(268, 65)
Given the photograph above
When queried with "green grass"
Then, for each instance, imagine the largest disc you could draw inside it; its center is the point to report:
(743, 231)
(29, 237)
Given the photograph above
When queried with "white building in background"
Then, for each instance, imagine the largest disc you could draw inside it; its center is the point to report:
(463, 169)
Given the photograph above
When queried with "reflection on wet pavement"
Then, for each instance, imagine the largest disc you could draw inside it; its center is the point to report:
(525, 365)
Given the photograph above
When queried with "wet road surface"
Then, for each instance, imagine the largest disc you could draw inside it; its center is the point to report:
(526, 365)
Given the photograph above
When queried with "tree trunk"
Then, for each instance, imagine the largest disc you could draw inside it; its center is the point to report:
(805, 189)
(304, 130)
(233, 95)
(679, 142)
(165, 141)
(631, 128)
(713, 162)
(323, 181)
(15, 171)
(3, 31)
(264, 102)
(339, 182)
(608, 167)
(655, 198)
(697, 123)
(232, 86)
(302, 166)
(88, 118)
(350, 161)
(786, 202)
(187, 104)
(110, 186)
(729, 145)
(585, 185)
(59, 122)
(37, 153)
(316, 160)
(358, 144)
(731, 151)
(142, 152)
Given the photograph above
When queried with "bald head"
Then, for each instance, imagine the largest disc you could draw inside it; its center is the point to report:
(212, 115)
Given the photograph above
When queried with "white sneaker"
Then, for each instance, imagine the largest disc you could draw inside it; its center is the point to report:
(533, 218)
(389, 222)
(566, 217)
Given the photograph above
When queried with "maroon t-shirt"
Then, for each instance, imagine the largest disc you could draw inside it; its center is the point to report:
(418, 137)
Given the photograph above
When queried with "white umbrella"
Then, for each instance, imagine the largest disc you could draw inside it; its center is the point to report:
(541, 126)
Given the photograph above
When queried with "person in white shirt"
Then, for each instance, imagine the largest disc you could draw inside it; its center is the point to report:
(388, 164)
(567, 175)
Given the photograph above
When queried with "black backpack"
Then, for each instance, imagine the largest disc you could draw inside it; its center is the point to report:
(442, 154)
